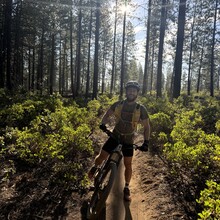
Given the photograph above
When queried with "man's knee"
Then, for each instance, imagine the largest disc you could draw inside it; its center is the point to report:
(103, 155)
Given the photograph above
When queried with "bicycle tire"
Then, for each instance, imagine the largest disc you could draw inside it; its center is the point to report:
(97, 202)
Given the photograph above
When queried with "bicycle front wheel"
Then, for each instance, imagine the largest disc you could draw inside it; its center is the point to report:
(102, 190)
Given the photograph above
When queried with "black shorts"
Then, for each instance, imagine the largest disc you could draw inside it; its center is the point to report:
(111, 144)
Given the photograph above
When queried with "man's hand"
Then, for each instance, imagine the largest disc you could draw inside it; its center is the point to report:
(103, 127)
(144, 146)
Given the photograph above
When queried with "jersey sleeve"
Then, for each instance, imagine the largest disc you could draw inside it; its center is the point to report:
(144, 114)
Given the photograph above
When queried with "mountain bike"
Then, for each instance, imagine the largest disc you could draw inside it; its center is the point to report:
(104, 179)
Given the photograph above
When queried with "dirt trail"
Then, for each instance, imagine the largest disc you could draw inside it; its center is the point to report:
(119, 209)
(151, 196)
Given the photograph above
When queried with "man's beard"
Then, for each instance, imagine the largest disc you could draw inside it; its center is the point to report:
(131, 99)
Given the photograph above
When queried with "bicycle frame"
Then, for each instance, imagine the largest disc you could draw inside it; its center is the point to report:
(103, 181)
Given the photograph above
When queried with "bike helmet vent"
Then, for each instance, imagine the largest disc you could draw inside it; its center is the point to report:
(132, 84)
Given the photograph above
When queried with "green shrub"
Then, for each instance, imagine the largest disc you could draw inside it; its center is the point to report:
(210, 115)
(210, 201)
(187, 127)
(155, 105)
(217, 126)
(21, 114)
(50, 134)
(161, 126)
(192, 154)
(197, 161)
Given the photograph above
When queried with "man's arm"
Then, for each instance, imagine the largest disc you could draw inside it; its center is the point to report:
(146, 124)
(106, 116)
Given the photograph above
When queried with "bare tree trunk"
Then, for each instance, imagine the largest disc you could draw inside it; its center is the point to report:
(145, 80)
(200, 66)
(103, 72)
(96, 56)
(190, 55)
(78, 51)
(52, 66)
(213, 53)
(179, 49)
(161, 43)
(123, 55)
(18, 50)
(60, 65)
(8, 15)
(64, 78)
(40, 63)
(2, 52)
(71, 56)
(152, 67)
(114, 45)
(33, 70)
(89, 52)
(29, 69)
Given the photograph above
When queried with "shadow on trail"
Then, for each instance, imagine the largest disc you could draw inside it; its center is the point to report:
(128, 215)
(117, 207)
(35, 193)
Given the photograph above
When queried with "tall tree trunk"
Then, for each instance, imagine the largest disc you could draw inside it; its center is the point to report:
(96, 56)
(145, 80)
(29, 69)
(123, 54)
(213, 52)
(89, 52)
(218, 79)
(3, 41)
(17, 65)
(52, 66)
(200, 68)
(71, 56)
(103, 71)
(152, 67)
(40, 63)
(190, 52)
(78, 51)
(7, 30)
(60, 65)
(114, 45)
(179, 49)
(161, 43)
(33, 70)
(64, 69)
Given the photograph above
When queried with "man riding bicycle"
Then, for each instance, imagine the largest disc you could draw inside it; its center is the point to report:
(128, 114)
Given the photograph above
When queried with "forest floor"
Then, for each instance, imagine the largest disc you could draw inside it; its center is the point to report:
(30, 195)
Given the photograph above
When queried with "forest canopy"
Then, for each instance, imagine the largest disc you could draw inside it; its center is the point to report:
(78, 47)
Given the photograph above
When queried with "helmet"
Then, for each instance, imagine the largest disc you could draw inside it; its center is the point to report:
(133, 84)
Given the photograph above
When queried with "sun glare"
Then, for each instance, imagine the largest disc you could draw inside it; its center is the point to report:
(125, 8)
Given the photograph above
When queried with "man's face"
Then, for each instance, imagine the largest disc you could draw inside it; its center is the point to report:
(131, 94)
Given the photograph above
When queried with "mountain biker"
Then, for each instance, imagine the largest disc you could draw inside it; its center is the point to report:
(128, 113)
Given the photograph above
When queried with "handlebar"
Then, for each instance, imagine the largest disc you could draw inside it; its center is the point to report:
(110, 134)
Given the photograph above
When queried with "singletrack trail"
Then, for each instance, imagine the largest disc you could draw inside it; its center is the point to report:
(151, 196)
(119, 209)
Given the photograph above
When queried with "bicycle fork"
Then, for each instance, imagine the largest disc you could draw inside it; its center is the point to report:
(116, 157)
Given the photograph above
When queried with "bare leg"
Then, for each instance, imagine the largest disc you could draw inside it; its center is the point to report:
(98, 161)
(128, 169)
(101, 157)
(128, 174)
